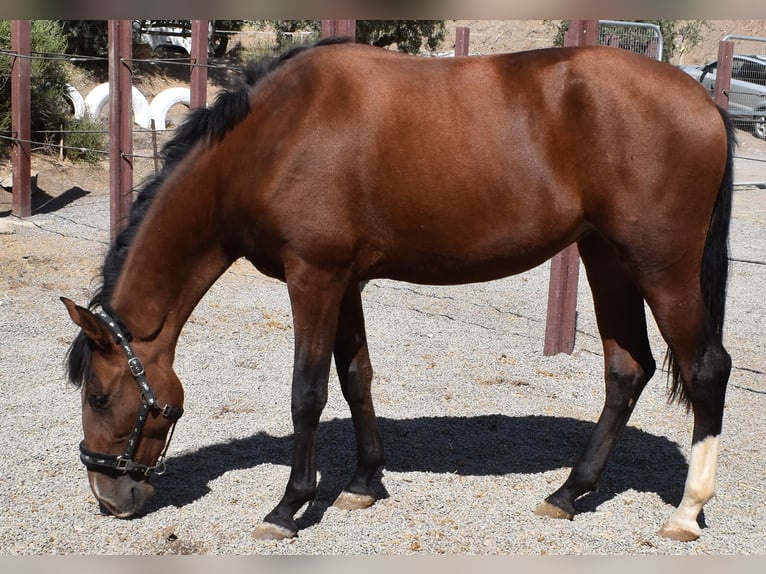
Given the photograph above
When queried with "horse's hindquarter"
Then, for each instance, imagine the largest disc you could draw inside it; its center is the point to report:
(653, 149)
(463, 169)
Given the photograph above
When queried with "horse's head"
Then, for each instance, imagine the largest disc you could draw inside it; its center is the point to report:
(127, 426)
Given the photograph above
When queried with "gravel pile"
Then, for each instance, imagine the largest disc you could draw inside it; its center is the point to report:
(478, 425)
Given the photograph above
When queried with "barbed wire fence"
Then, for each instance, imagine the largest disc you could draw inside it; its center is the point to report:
(252, 44)
(122, 130)
(41, 144)
(266, 41)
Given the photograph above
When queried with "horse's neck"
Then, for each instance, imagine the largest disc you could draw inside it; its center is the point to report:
(174, 259)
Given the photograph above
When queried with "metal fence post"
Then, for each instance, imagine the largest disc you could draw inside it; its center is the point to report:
(462, 37)
(581, 33)
(120, 123)
(21, 113)
(338, 28)
(198, 96)
(561, 320)
(723, 73)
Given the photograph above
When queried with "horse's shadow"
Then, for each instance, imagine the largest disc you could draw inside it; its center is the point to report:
(468, 446)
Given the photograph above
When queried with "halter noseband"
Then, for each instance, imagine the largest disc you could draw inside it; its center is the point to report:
(124, 462)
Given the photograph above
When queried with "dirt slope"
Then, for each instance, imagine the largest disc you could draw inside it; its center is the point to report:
(490, 36)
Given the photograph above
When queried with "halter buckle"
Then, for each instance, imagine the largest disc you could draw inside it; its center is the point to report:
(136, 367)
(122, 464)
(172, 413)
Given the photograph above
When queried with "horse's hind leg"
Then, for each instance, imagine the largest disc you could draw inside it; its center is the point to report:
(628, 365)
(352, 362)
(703, 368)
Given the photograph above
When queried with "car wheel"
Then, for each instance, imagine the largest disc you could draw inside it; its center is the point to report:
(218, 46)
(759, 125)
(170, 52)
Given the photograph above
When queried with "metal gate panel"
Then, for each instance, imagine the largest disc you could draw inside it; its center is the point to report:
(640, 37)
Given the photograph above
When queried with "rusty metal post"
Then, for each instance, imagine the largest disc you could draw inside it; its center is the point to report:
(21, 113)
(120, 124)
(561, 320)
(338, 28)
(462, 37)
(581, 33)
(199, 48)
(723, 73)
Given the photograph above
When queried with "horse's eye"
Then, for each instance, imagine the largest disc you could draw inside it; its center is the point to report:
(99, 402)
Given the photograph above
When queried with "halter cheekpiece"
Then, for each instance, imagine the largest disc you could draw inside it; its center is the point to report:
(124, 462)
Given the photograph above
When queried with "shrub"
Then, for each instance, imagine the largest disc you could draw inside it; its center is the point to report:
(85, 139)
(50, 108)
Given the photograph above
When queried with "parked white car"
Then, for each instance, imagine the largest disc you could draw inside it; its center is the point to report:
(747, 96)
(175, 41)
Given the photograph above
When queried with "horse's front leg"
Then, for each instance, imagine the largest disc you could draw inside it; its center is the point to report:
(315, 300)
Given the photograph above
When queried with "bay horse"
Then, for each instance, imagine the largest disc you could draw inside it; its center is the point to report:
(340, 163)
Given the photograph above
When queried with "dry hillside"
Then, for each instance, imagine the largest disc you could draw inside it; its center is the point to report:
(489, 36)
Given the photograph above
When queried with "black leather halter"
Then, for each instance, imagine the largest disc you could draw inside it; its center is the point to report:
(124, 462)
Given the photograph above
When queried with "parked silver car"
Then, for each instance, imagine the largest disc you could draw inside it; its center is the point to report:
(747, 96)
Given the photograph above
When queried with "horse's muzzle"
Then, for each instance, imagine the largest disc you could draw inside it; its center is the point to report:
(122, 496)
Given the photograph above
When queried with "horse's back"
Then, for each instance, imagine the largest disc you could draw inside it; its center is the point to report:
(483, 166)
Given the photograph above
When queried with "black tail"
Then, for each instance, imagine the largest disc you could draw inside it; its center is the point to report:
(715, 259)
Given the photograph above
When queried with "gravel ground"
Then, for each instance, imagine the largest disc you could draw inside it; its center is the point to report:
(478, 425)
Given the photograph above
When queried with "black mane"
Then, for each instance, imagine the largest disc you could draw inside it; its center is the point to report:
(202, 126)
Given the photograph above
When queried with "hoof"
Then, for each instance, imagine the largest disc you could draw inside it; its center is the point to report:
(680, 532)
(269, 531)
(552, 511)
(351, 501)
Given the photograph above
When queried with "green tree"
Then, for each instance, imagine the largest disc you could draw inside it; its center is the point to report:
(51, 110)
(408, 35)
(682, 34)
(286, 30)
(48, 77)
(86, 37)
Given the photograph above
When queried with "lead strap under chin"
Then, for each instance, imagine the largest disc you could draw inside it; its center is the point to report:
(172, 414)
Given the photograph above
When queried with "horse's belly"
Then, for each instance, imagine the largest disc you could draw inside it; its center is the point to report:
(467, 264)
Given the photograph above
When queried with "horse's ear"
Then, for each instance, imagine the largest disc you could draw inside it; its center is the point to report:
(94, 329)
